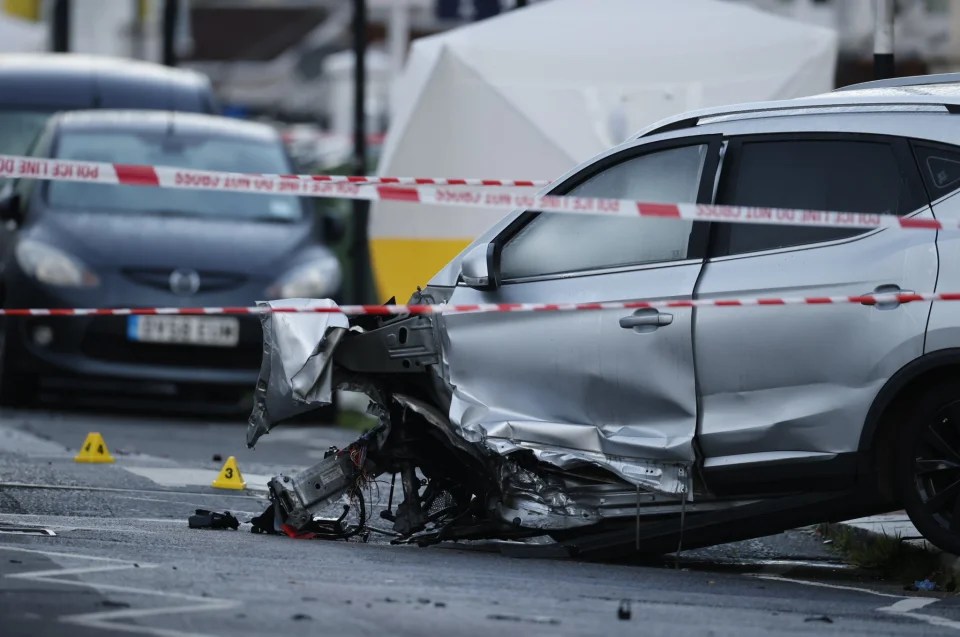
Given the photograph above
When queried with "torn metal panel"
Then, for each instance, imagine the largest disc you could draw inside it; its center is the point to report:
(578, 386)
(672, 479)
(296, 374)
(504, 438)
(539, 502)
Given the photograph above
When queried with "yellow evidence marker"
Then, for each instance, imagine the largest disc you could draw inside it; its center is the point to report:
(229, 477)
(94, 449)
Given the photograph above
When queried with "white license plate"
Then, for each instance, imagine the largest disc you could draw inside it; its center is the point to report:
(216, 331)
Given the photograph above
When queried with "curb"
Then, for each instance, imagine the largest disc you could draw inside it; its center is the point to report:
(861, 535)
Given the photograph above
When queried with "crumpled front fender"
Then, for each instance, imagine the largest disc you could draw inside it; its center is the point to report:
(296, 374)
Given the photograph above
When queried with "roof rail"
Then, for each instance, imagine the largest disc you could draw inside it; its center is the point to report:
(913, 80)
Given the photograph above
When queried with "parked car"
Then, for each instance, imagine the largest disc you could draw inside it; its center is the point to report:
(38, 85)
(78, 244)
(615, 431)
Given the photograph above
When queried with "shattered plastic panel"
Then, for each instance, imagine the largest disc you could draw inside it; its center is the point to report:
(296, 374)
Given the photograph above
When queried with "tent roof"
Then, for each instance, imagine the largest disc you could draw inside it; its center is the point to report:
(641, 60)
(21, 36)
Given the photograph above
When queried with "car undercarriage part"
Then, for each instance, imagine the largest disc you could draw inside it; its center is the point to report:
(298, 500)
(409, 516)
(723, 523)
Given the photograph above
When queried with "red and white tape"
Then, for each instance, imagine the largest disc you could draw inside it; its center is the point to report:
(424, 181)
(172, 177)
(391, 310)
(308, 186)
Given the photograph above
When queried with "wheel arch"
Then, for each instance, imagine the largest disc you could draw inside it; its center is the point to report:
(899, 393)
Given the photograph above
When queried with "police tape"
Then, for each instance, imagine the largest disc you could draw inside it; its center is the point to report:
(12, 166)
(890, 299)
(423, 181)
(15, 166)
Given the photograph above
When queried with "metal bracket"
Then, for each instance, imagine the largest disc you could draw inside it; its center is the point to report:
(404, 346)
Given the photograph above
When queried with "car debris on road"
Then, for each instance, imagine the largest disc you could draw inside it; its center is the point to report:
(203, 519)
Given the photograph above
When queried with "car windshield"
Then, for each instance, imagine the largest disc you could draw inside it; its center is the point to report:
(182, 151)
(18, 129)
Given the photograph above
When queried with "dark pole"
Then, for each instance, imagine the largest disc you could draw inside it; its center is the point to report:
(359, 250)
(521, 4)
(60, 39)
(170, 11)
(883, 41)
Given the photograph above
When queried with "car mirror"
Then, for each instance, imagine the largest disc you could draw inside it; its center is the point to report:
(478, 268)
(10, 207)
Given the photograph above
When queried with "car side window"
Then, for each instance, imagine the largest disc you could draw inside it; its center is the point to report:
(554, 243)
(939, 167)
(837, 175)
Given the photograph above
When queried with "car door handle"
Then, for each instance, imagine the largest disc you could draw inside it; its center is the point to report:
(888, 289)
(645, 320)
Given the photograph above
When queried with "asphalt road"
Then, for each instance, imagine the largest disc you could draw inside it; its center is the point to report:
(124, 560)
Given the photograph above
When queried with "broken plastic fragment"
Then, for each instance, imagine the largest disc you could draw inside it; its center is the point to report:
(924, 585)
(203, 519)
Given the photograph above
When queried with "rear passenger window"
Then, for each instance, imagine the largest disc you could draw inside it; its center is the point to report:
(940, 167)
(836, 175)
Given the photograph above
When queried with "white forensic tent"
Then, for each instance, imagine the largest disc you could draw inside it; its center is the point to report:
(22, 36)
(533, 92)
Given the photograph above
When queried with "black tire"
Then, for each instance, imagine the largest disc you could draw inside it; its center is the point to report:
(928, 465)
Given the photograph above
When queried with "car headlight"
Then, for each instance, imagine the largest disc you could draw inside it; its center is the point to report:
(314, 279)
(53, 266)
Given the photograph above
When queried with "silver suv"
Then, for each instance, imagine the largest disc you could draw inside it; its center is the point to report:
(615, 431)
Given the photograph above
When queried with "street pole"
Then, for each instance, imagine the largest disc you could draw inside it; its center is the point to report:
(170, 10)
(883, 41)
(60, 26)
(359, 250)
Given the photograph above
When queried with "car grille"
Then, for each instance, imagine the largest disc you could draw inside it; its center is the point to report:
(210, 281)
(106, 339)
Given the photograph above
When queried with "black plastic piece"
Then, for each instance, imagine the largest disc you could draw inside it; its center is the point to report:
(203, 519)
(689, 122)
(264, 523)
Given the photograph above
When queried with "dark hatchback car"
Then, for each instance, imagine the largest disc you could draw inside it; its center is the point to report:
(37, 85)
(71, 244)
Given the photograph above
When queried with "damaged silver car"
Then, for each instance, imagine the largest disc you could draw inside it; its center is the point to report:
(616, 432)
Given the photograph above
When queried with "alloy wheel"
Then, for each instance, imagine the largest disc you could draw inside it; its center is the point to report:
(936, 467)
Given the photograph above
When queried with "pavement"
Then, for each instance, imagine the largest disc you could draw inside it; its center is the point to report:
(890, 524)
(123, 560)
(897, 526)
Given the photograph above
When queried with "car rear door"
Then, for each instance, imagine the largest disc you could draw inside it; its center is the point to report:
(940, 168)
(792, 384)
(614, 382)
